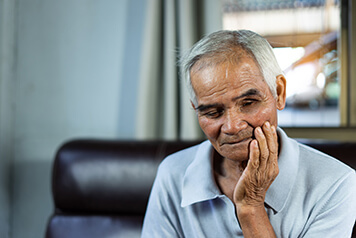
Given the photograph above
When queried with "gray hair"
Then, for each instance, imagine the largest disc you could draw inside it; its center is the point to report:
(226, 45)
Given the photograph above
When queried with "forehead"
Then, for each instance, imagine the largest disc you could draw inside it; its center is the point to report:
(208, 78)
(233, 55)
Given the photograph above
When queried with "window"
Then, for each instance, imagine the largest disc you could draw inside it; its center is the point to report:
(305, 35)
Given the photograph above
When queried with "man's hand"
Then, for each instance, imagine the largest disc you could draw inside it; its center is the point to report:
(250, 191)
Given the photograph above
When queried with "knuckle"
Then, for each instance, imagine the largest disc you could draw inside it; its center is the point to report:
(255, 163)
(273, 153)
(276, 171)
(264, 156)
(272, 174)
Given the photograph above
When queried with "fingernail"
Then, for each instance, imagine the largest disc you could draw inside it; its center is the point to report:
(254, 143)
(258, 130)
(267, 124)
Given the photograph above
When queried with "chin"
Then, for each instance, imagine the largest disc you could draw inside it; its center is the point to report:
(236, 151)
(236, 155)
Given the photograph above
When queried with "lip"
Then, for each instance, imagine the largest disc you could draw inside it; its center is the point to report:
(249, 139)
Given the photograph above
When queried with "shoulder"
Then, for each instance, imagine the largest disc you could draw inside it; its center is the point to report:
(319, 163)
(177, 163)
(323, 173)
(168, 184)
(180, 159)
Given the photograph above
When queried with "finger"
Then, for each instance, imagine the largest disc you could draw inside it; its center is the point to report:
(275, 157)
(272, 141)
(254, 157)
(263, 146)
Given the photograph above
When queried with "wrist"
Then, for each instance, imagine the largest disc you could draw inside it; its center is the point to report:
(249, 210)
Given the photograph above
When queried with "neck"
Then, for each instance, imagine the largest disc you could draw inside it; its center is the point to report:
(226, 173)
(228, 168)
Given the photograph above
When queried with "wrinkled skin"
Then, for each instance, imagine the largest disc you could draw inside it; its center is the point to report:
(238, 113)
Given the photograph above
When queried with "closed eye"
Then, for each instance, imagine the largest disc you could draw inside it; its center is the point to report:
(214, 113)
(248, 102)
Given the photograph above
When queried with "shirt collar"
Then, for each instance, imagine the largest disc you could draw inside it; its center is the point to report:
(199, 183)
(288, 160)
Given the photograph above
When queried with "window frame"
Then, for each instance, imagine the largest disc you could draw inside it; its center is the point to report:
(346, 131)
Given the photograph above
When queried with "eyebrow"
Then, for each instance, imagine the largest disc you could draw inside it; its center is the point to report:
(250, 92)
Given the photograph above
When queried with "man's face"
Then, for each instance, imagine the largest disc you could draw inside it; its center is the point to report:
(233, 99)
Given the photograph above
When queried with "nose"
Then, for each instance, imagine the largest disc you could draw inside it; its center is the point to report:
(233, 123)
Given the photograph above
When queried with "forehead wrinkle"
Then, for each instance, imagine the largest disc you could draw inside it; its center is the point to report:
(215, 90)
(245, 73)
(248, 69)
(232, 55)
(226, 72)
(212, 85)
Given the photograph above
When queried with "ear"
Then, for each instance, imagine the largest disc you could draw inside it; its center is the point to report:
(281, 91)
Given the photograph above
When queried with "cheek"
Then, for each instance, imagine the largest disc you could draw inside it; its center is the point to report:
(263, 114)
(210, 127)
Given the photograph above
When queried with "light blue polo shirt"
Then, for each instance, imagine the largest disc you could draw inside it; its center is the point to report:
(314, 195)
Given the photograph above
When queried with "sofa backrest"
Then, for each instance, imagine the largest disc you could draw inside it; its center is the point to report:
(101, 187)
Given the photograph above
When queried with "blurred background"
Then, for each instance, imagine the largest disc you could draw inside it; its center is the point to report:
(108, 69)
(306, 38)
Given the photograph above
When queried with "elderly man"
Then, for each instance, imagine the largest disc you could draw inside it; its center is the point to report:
(249, 179)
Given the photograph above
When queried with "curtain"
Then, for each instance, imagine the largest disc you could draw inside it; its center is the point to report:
(171, 27)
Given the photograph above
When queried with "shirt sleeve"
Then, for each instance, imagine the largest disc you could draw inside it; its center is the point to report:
(338, 211)
(161, 218)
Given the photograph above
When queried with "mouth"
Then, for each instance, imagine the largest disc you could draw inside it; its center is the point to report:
(233, 142)
(242, 138)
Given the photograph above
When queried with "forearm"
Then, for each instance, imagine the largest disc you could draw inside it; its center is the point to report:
(250, 191)
(254, 222)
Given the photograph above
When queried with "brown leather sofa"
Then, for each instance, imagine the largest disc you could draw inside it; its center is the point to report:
(101, 187)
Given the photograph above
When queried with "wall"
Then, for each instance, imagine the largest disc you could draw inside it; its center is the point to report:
(67, 84)
(7, 63)
(65, 67)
